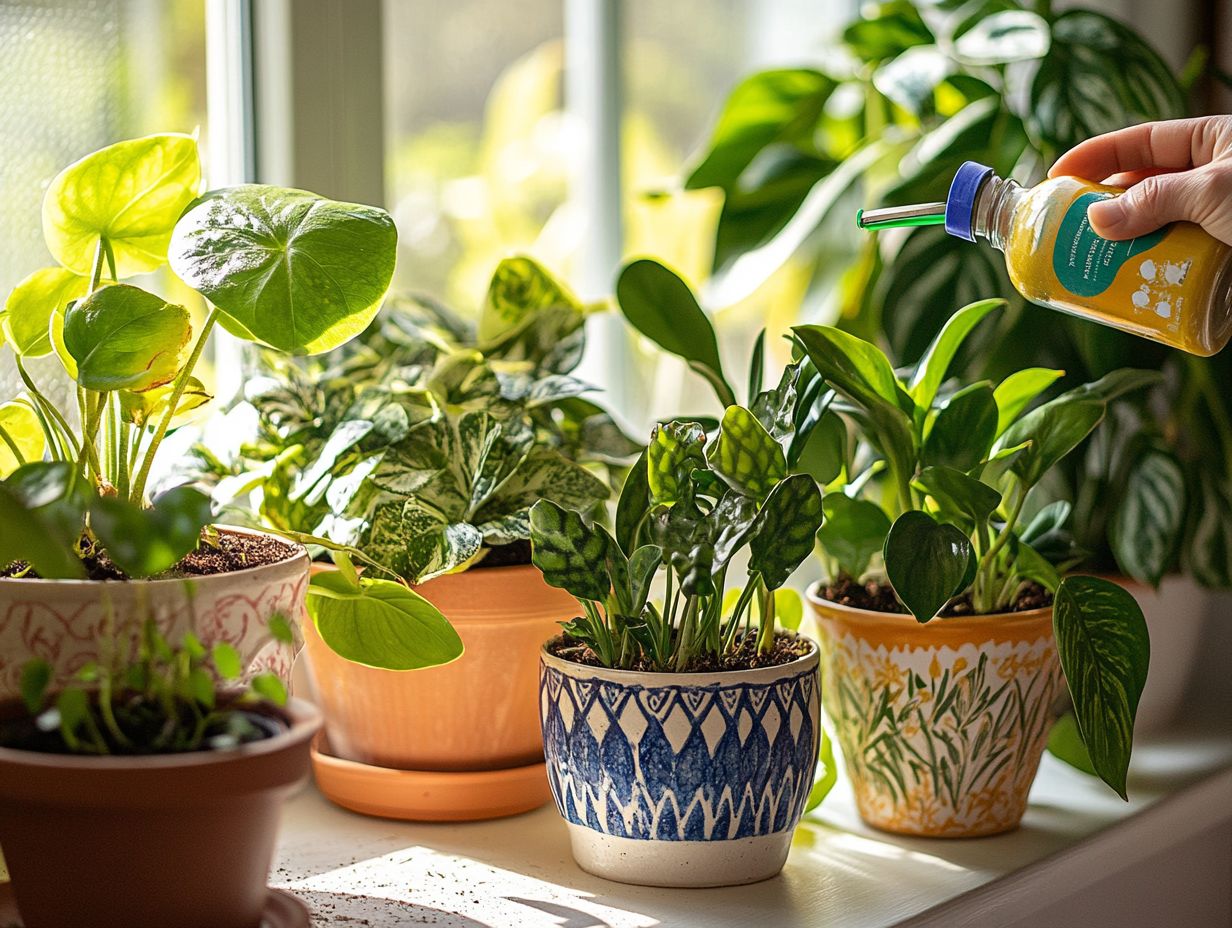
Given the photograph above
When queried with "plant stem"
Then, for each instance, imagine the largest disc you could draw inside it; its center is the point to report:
(89, 432)
(59, 435)
(96, 271)
(765, 636)
(8, 440)
(137, 493)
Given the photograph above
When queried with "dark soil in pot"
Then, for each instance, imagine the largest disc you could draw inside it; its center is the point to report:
(230, 552)
(878, 596)
(786, 648)
(514, 554)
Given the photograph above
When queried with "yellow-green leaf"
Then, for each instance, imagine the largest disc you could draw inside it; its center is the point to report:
(20, 426)
(27, 317)
(131, 193)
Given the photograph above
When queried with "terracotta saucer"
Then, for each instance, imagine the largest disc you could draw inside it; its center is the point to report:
(428, 795)
(282, 910)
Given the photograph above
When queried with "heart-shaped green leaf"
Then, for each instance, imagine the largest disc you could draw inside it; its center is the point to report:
(958, 494)
(925, 562)
(287, 268)
(143, 542)
(130, 193)
(746, 456)
(1105, 650)
(380, 623)
(786, 527)
(1016, 391)
(21, 436)
(933, 366)
(1147, 522)
(662, 307)
(571, 554)
(26, 320)
(962, 430)
(853, 531)
(125, 338)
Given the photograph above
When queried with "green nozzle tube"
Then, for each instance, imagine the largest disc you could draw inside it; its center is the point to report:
(897, 217)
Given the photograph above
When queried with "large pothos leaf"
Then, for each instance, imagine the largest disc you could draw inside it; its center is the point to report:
(1105, 651)
(26, 320)
(125, 338)
(131, 194)
(1053, 430)
(926, 562)
(1149, 516)
(543, 474)
(417, 541)
(962, 429)
(571, 555)
(958, 495)
(786, 526)
(853, 532)
(746, 456)
(293, 270)
(1015, 392)
(380, 623)
(676, 449)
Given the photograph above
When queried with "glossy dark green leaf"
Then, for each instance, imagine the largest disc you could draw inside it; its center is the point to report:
(850, 364)
(853, 531)
(125, 338)
(732, 518)
(1114, 385)
(633, 505)
(1032, 565)
(786, 529)
(963, 429)
(295, 271)
(777, 106)
(662, 307)
(676, 449)
(746, 456)
(933, 367)
(1105, 651)
(570, 554)
(1149, 516)
(1208, 545)
(380, 623)
(958, 494)
(824, 452)
(1053, 430)
(1100, 75)
(143, 542)
(925, 562)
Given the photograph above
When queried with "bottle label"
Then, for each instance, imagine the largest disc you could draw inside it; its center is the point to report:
(1085, 264)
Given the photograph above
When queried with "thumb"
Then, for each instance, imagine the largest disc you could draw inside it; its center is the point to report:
(1147, 206)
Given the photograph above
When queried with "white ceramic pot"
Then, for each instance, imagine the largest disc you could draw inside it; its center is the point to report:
(694, 779)
(1175, 614)
(62, 621)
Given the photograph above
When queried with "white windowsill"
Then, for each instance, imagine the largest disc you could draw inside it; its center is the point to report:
(517, 872)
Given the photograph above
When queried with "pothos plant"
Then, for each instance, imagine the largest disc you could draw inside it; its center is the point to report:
(282, 268)
(936, 487)
(426, 445)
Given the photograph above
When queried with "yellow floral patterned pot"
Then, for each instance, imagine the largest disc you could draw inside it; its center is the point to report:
(942, 726)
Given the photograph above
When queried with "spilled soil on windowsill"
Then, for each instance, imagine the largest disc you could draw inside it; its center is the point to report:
(878, 596)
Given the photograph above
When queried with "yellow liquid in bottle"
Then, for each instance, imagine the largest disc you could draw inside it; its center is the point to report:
(1173, 286)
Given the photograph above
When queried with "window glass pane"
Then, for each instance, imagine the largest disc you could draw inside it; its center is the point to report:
(78, 75)
(476, 149)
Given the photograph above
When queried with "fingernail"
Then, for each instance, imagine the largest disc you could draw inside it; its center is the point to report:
(1107, 214)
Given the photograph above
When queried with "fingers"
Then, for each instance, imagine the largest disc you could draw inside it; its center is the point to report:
(1127, 179)
(1150, 205)
(1175, 144)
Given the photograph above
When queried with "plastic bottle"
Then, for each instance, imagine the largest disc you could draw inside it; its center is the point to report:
(1173, 285)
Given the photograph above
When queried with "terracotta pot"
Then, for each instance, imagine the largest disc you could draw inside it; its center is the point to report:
(148, 842)
(694, 779)
(1175, 614)
(62, 621)
(477, 713)
(942, 725)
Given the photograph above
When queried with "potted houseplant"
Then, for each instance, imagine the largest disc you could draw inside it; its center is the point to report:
(146, 792)
(421, 449)
(284, 268)
(943, 666)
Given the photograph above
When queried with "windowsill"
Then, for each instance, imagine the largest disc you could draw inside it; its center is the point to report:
(354, 870)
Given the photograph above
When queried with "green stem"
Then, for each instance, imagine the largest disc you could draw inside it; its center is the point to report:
(59, 435)
(1007, 530)
(765, 637)
(89, 433)
(137, 494)
(96, 271)
(8, 440)
(685, 648)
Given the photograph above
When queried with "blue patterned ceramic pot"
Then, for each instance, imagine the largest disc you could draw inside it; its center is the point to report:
(680, 779)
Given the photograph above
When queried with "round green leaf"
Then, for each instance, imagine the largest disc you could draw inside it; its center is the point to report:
(19, 425)
(125, 338)
(380, 623)
(130, 193)
(1105, 650)
(853, 531)
(27, 316)
(926, 562)
(285, 267)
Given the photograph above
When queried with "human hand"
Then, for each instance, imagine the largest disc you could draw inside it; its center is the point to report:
(1180, 170)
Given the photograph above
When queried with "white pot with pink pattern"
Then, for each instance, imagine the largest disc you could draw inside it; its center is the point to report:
(63, 621)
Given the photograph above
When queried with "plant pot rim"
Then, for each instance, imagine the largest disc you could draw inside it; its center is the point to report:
(305, 719)
(300, 558)
(707, 678)
(905, 620)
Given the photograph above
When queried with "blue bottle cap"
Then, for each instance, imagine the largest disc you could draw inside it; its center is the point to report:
(960, 203)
